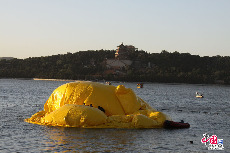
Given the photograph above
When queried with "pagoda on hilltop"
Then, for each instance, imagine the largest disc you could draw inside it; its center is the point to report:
(122, 57)
(123, 51)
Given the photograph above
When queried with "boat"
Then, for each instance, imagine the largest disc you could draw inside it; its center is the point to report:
(140, 85)
(198, 95)
(108, 83)
(176, 125)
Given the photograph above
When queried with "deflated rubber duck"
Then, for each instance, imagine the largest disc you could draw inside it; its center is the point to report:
(94, 105)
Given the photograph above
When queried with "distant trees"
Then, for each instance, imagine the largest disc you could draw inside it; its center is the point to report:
(90, 65)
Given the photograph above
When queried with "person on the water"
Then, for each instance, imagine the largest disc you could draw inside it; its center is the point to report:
(198, 94)
(101, 108)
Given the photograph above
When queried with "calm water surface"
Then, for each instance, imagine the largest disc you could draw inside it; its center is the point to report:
(19, 99)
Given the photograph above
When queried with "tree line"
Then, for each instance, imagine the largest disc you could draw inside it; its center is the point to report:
(164, 67)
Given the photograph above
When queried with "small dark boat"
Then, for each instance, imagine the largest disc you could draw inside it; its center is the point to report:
(176, 125)
(140, 85)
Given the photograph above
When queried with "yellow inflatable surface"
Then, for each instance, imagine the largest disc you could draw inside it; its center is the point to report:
(94, 105)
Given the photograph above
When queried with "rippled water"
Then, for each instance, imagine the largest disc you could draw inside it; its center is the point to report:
(19, 99)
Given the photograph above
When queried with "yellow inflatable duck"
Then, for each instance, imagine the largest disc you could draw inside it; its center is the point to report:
(95, 105)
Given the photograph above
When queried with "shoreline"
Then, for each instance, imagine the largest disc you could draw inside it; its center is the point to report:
(39, 79)
(42, 79)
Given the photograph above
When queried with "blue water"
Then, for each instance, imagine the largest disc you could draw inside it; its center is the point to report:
(19, 99)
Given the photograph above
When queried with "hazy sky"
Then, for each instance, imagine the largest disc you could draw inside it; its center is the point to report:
(32, 28)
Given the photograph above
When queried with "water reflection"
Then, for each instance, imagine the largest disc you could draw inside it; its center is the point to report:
(66, 139)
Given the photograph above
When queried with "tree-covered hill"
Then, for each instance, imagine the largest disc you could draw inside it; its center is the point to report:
(91, 65)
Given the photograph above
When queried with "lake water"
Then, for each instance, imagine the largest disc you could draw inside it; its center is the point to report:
(19, 99)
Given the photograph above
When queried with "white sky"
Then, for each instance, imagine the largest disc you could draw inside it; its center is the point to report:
(33, 28)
